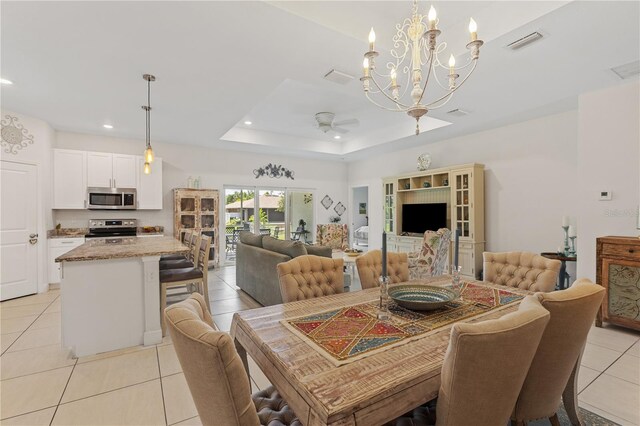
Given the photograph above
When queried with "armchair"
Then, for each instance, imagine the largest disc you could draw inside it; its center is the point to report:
(432, 259)
(334, 235)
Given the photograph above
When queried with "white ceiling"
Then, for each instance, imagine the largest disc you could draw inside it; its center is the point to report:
(78, 65)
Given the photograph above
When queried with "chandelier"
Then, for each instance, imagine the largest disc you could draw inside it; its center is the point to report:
(148, 152)
(415, 59)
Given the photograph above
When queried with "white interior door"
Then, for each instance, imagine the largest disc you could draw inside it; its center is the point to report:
(18, 230)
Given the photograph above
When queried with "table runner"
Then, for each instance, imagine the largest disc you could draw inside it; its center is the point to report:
(353, 332)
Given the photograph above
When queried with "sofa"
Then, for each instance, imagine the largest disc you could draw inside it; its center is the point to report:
(257, 257)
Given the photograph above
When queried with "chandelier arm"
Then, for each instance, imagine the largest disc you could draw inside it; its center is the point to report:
(426, 81)
(387, 96)
(383, 107)
(452, 91)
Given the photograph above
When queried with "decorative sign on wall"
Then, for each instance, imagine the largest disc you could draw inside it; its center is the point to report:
(326, 202)
(274, 171)
(14, 135)
(339, 208)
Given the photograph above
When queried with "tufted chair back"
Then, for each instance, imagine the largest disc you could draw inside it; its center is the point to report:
(215, 374)
(370, 268)
(433, 257)
(572, 313)
(524, 270)
(306, 277)
(467, 394)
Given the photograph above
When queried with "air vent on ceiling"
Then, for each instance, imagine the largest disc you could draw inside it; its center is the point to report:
(457, 112)
(338, 76)
(629, 70)
(525, 41)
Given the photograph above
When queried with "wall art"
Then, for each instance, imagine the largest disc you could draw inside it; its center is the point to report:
(326, 202)
(308, 198)
(339, 208)
(14, 135)
(274, 171)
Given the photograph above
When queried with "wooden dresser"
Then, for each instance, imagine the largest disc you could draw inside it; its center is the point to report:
(618, 270)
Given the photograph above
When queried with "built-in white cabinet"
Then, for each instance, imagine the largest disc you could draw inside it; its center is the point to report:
(74, 171)
(58, 247)
(69, 179)
(106, 170)
(149, 186)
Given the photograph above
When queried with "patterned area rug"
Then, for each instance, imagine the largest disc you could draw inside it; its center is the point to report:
(589, 418)
(344, 335)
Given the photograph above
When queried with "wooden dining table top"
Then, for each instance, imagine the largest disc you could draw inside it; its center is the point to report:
(367, 391)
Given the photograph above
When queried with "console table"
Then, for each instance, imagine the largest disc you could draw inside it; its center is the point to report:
(563, 276)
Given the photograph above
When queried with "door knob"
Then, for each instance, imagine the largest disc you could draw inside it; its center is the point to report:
(33, 238)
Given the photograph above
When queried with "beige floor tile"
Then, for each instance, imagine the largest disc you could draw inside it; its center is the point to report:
(626, 368)
(604, 414)
(47, 320)
(37, 418)
(16, 325)
(29, 361)
(222, 294)
(218, 285)
(7, 340)
(586, 376)
(612, 337)
(166, 340)
(193, 421)
(598, 358)
(103, 355)
(614, 396)
(34, 392)
(169, 363)
(37, 338)
(635, 350)
(111, 373)
(257, 375)
(223, 321)
(134, 405)
(22, 311)
(177, 399)
(226, 306)
(54, 307)
(31, 300)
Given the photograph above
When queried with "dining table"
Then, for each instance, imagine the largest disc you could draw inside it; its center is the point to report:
(375, 379)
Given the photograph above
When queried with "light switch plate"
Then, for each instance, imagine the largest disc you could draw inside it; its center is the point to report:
(605, 196)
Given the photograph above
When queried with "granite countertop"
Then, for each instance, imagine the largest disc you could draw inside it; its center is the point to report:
(123, 247)
(67, 233)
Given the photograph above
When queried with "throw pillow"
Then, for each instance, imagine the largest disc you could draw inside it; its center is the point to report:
(289, 248)
(250, 239)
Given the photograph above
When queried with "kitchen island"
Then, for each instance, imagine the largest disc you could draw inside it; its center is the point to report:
(110, 293)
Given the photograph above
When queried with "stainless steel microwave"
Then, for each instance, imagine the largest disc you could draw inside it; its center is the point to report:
(111, 199)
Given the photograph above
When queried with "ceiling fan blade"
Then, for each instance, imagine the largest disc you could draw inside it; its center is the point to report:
(350, 122)
(339, 130)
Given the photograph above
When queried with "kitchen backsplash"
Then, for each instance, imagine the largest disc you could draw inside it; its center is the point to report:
(80, 218)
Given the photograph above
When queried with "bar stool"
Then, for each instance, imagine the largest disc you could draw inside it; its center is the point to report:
(187, 261)
(187, 240)
(182, 277)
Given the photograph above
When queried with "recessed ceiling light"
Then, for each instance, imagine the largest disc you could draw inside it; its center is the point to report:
(107, 126)
(5, 81)
(336, 137)
(248, 123)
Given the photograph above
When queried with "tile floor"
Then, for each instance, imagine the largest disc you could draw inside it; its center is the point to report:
(42, 384)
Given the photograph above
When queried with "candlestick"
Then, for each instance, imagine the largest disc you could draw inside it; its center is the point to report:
(473, 29)
(565, 221)
(572, 251)
(432, 18)
(384, 253)
(572, 231)
(372, 40)
(566, 239)
(456, 248)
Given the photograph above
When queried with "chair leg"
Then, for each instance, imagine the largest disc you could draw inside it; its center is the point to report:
(205, 290)
(163, 305)
(554, 420)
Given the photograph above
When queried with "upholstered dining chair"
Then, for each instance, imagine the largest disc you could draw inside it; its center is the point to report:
(192, 239)
(215, 374)
(370, 268)
(558, 356)
(308, 276)
(433, 257)
(521, 269)
(484, 393)
(198, 275)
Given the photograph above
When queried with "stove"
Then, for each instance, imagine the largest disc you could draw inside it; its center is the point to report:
(108, 228)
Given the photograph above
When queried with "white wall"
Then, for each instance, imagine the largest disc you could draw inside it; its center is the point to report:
(608, 152)
(360, 195)
(530, 170)
(38, 154)
(215, 167)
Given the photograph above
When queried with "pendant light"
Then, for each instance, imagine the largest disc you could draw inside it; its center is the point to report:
(148, 152)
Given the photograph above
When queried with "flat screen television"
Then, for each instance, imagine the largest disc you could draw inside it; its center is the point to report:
(417, 218)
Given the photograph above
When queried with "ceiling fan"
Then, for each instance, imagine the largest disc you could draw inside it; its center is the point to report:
(326, 123)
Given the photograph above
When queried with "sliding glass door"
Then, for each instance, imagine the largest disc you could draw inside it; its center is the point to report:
(300, 213)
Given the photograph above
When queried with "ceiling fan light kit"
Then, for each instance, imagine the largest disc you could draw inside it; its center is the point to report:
(416, 47)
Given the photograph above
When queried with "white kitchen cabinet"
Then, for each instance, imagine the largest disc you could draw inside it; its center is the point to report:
(106, 170)
(149, 186)
(69, 179)
(58, 247)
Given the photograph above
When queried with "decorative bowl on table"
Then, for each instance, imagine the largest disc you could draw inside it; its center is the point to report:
(353, 252)
(421, 297)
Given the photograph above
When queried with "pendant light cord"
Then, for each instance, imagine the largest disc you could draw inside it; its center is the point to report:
(148, 113)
